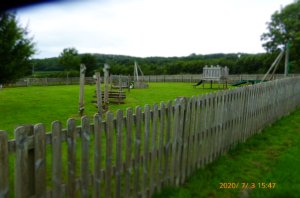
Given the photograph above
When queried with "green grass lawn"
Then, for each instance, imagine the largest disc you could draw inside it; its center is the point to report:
(271, 156)
(31, 105)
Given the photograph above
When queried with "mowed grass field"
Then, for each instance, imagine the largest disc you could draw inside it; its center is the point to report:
(32, 105)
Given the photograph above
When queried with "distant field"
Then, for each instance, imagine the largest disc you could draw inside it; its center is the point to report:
(31, 105)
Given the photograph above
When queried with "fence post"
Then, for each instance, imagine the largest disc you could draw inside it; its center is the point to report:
(109, 138)
(119, 152)
(81, 94)
(137, 150)
(128, 156)
(4, 171)
(85, 143)
(97, 155)
(24, 164)
(40, 160)
(146, 150)
(56, 159)
(71, 140)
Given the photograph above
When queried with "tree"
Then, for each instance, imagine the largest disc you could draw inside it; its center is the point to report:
(16, 49)
(284, 28)
(90, 62)
(69, 59)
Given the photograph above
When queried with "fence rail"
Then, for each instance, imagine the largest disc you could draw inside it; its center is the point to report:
(139, 151)
(148, 78)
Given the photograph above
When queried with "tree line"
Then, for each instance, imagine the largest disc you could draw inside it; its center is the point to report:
(193, 64)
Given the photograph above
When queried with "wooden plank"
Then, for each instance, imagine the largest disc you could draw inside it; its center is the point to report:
(4, 170)
(209, 113)
(128, 155)
(180, 142)
(137, 150)
(240, 130)
(207, 129)
(220, 122)
(192, 138)
(81, 90)
(99, 94)
(198, 133)
(153, 173)
(109, 141)
(173, 159)
(31, 162)
(218, 111)
(160, 155)
(230, 138)
(21, 163)
(186, 113)
(146, 150)
(168, 147)
(56, 159)
(223, 122)
(71, 141)
(119, 125)
(97, 155)
(215, 126)
(85, 158)
(40, 160)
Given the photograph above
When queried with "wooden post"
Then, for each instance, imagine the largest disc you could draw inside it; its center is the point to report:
(109, 138)
(81, 93)
(137, 151)
(97, 155)
(99, 94)
(24, 164)
(71, 140)
(286, 62)
(119, 152)
(106, 75)
(56, 159)
(4, 171)
(128, 156)
(40, 160)
(85, 144)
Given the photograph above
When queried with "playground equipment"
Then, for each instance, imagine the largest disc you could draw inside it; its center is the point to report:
(214, 74)
(138, 80)
(119, 81)
(109, 96)
(271, 71)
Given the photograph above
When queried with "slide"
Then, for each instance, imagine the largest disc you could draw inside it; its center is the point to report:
(239, 83)
(199, 83)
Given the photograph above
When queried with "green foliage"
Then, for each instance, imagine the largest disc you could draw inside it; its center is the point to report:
(90, 62)
(284, 28)
(55, 74)
(16, 49)
(47, 64)
(237, 63)
(70, 59)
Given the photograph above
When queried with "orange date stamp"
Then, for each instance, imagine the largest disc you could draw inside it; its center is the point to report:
(248, 185)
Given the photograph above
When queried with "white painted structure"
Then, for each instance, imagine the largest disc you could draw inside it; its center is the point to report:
(215, 73)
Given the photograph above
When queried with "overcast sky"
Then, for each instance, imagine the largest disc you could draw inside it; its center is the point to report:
(149, 27)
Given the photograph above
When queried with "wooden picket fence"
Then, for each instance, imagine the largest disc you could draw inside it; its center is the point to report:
(136, 153)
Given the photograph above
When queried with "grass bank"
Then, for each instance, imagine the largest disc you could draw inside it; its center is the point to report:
(266, 166)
